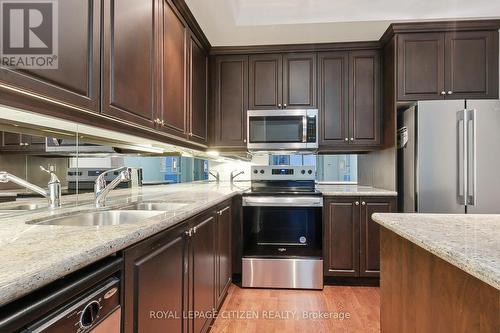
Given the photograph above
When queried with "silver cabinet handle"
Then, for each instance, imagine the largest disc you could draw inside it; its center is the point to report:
(284, 105)
(189, 232)
(245, 140)
(357, 203)
(352, 139)
(279, 105)
(194, 230)
(346, 139)
(363, 203)
(450, 92)
(443, 92)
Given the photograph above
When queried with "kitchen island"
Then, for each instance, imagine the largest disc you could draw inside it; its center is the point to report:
(440, 273)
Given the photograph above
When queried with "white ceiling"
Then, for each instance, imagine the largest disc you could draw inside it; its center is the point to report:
(259, 22)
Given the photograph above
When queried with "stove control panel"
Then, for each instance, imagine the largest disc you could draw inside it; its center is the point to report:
(281, 172)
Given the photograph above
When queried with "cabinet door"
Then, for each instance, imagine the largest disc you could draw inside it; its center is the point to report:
(299, 81)
(231, 101)
(173, 106)
(365, 98)
(12, 141)
(341, 239)
(130, 60)
(76, 80)
(333, 99)
(472, 64)
(421, 66)
(202, 273)
(266, 77)
(154, 281)
(198, 92)
(223, 268)
(369, 264)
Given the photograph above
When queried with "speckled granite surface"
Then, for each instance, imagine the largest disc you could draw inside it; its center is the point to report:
(350, 190)
(470, 242)
(35, 255)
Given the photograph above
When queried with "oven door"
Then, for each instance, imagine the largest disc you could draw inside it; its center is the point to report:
(282, 226)
(281, 129)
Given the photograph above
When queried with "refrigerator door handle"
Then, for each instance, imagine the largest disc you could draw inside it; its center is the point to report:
(462, 157)
(471, 157)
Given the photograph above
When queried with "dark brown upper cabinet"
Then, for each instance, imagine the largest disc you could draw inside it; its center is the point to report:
(198, 92)
(471, 64)
(230, 101)
(281, 81)
(76, 80)
(265, 85)
(299, 80)
(334, 98)
(350, 100)
(130, 48)
(365, 98)
(351, 240)
(173, 113)
(447, 65)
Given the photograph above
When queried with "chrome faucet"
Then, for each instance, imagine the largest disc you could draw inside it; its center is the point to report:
(101, 189)
(53, 193)
(216, 175)
(234, 175)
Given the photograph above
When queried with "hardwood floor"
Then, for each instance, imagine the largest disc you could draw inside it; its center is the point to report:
(271, 310)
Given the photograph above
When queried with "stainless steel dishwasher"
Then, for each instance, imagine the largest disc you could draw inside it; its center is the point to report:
(96, 311)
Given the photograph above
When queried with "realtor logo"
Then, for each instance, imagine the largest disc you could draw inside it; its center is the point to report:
(29, 34)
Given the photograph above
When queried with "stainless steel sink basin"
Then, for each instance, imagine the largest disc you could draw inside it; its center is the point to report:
(163, 206)
(102, 218)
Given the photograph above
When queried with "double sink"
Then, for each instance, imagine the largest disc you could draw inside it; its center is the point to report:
(128, 214)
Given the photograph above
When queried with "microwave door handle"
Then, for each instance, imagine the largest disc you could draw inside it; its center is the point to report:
(304, 129)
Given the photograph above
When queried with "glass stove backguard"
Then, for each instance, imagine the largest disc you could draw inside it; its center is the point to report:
(276, 129)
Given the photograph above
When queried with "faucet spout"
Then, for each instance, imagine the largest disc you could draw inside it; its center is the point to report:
(53, 194)
(234, 175)
(102, 189)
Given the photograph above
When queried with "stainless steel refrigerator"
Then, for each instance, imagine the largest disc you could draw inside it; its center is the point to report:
(449, 157)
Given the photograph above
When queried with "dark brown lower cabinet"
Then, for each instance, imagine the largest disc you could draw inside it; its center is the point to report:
(224, 248)
(154, 281)
(173, 280)
(351, 237)
(202, 272)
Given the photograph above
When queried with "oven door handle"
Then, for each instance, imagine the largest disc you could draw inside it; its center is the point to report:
(282, 201)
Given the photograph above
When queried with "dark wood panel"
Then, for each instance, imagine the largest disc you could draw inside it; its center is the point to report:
(429, 294)
(130, 60)
(265, 81)
(369, 243)
(154, 281)
(223, 253)
(364, 98)
(472, 64)
(299, 80)
(333, 98)
(76, 80)
(174, 87)
(202, 270)
(341, 239)
(198, 95)
(231, 101)
(389, 94)
(421, 66)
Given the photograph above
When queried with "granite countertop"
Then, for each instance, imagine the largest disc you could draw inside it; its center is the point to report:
(353, 190)
(35, 255)
(469, 242)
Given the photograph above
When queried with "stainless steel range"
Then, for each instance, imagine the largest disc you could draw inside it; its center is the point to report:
(282, 229)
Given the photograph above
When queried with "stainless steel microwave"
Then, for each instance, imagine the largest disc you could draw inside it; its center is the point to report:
(275, 130)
